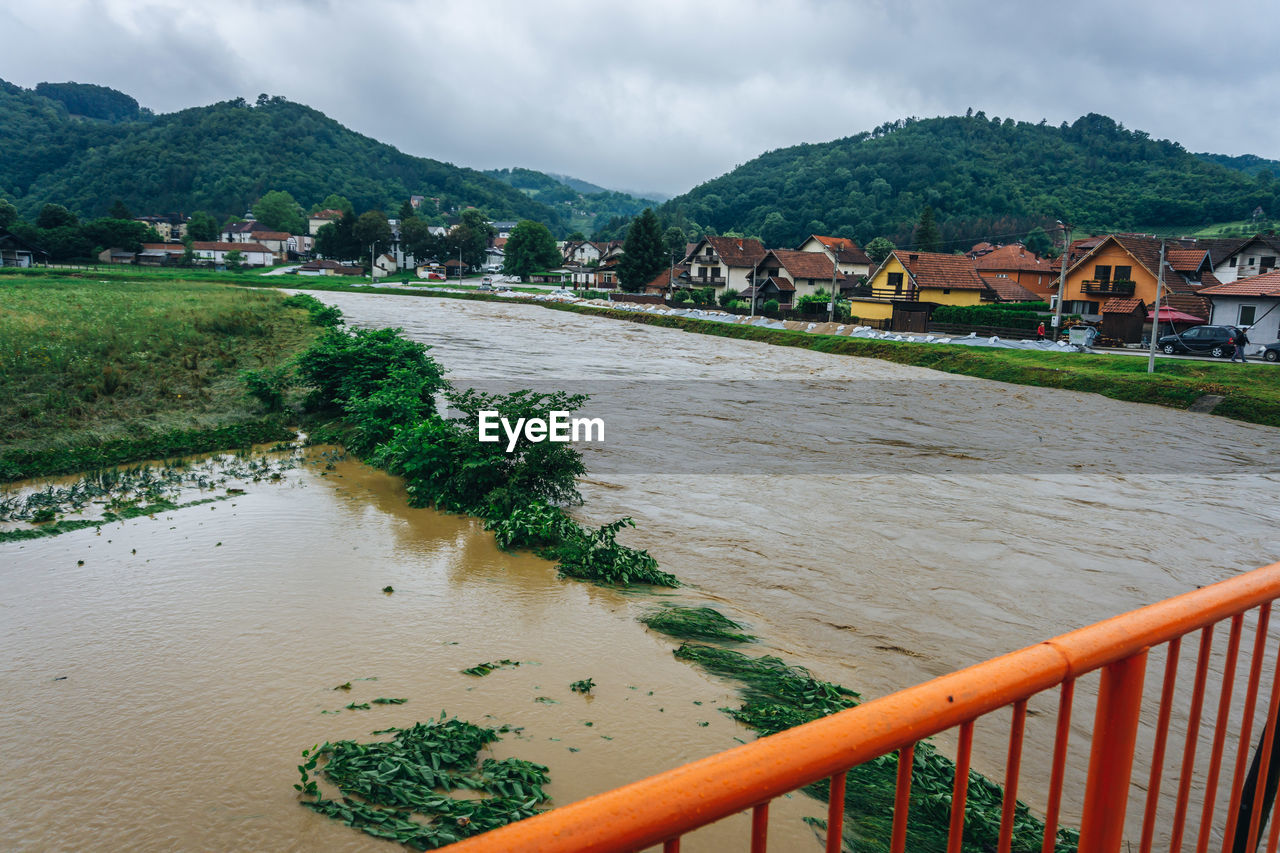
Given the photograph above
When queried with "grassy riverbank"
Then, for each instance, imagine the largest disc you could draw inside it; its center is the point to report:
(98, 372)
(1251, 392)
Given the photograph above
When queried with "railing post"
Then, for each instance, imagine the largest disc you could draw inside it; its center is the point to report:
(1115, 731)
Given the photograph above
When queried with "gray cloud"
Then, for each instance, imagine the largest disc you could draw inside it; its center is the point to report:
(666, 94)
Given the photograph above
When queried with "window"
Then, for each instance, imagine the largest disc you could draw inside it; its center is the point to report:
(1102, 272)
(946, 290)
(1124, 274)
(1247, 314)
(1253, 261)
(895, 281)
(1268, 262)
(1232, 262)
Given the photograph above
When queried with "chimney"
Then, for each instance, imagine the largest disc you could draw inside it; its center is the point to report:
(912, 258)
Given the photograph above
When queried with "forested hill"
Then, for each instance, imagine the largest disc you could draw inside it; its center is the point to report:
(583, 205)
(982, 177)
(220, 158)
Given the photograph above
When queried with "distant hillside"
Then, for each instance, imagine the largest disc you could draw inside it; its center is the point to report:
(219, 158)
(983, 177)
(584, 206)
(1250, 164)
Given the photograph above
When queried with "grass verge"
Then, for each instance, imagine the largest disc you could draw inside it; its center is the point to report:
(97, 372)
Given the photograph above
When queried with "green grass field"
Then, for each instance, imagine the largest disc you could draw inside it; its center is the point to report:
(137, 364)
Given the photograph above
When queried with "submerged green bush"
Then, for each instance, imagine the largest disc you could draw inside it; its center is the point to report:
(594, 555)
(342, 366)
(697, 623)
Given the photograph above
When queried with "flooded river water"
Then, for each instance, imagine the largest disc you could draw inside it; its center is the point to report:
(880, 524)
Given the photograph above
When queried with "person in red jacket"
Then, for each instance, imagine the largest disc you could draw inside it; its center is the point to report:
(1040, 331)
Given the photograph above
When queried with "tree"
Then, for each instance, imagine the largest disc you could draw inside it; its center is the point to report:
(278, 211)
(234, 259)
(336, 240)
(878, 249)
(576, 236)
(406, 211)
(673, 240)
(479, 223)
(202, 226)
(530, 248)
(118, 210)
(333, 201)
(56, 216)
(643, 255)
(8, 213)
(372, 230)
(927, 237)
(416, 239)
(108, 233)
(1038, 241)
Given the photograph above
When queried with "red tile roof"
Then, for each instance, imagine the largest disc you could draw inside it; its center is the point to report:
(815, 265)
(737, 251)
(1255, 285)
(846, 251)
(1187, 260)
(270, 235)
(172, 248)
(941, 271)
(1014, 258)
(1009, 290)
(1121, 306)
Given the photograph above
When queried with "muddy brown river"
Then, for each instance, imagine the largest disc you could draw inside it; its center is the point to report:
(878, 523)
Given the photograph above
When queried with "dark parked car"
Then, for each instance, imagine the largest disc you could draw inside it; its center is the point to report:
(1271, 352)
(1217, 341)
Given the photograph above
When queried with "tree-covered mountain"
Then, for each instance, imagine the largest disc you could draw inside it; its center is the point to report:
(583, 205)
(1250, 164)
(220, 158)
(982, 177)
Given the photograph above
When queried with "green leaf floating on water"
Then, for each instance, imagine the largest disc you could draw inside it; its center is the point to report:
(483, 669)
(382, 700)
(400, 789)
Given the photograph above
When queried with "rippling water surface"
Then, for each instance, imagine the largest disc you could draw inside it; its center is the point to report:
(880, 524)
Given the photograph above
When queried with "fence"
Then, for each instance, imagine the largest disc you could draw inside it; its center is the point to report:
(1227, 807)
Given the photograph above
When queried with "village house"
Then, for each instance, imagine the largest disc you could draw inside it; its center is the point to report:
(849, 259)
(255, 232)
(1017, 264)
(664, 283)
(14, 252)
(581, 252)
(1123, 267)
(253, 254)
(786, 275)
(908, 285)
(323, 266)
(1252, 256)
(160, 254)
(722, 262)
(318, 220)
(1252, 302)
(170, 226)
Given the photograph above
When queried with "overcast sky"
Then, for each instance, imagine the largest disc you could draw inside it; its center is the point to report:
(662, 95)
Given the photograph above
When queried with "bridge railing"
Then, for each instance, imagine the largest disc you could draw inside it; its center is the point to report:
(1216, 789)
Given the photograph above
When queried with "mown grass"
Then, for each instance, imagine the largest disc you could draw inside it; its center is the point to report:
(102, 371)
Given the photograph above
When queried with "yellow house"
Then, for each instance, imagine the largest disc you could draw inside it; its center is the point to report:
(919, 277)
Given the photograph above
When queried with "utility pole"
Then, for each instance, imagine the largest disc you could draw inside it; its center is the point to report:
(835, 270)
(1155, 316)
(753, 294)
(459, 266)
(372, 262)
(1062, 282)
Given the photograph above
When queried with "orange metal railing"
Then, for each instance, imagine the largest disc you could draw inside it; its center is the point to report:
(662, 808)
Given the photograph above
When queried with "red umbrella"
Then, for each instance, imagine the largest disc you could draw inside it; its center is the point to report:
(1173, 315)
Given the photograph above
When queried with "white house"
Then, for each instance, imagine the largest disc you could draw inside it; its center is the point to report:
(846, 255)
(1253, 301)
(254, 255)
(317, 220)
(384, 265)
(722, 262)
(1255, 256)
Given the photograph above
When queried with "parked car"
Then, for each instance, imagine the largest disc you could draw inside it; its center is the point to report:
(1217, 341)
(1271, 352)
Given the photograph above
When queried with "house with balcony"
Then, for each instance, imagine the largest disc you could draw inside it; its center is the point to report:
(915, 283)
(844, 253)
(788, 274)
(1127, 266)
(722, 262)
